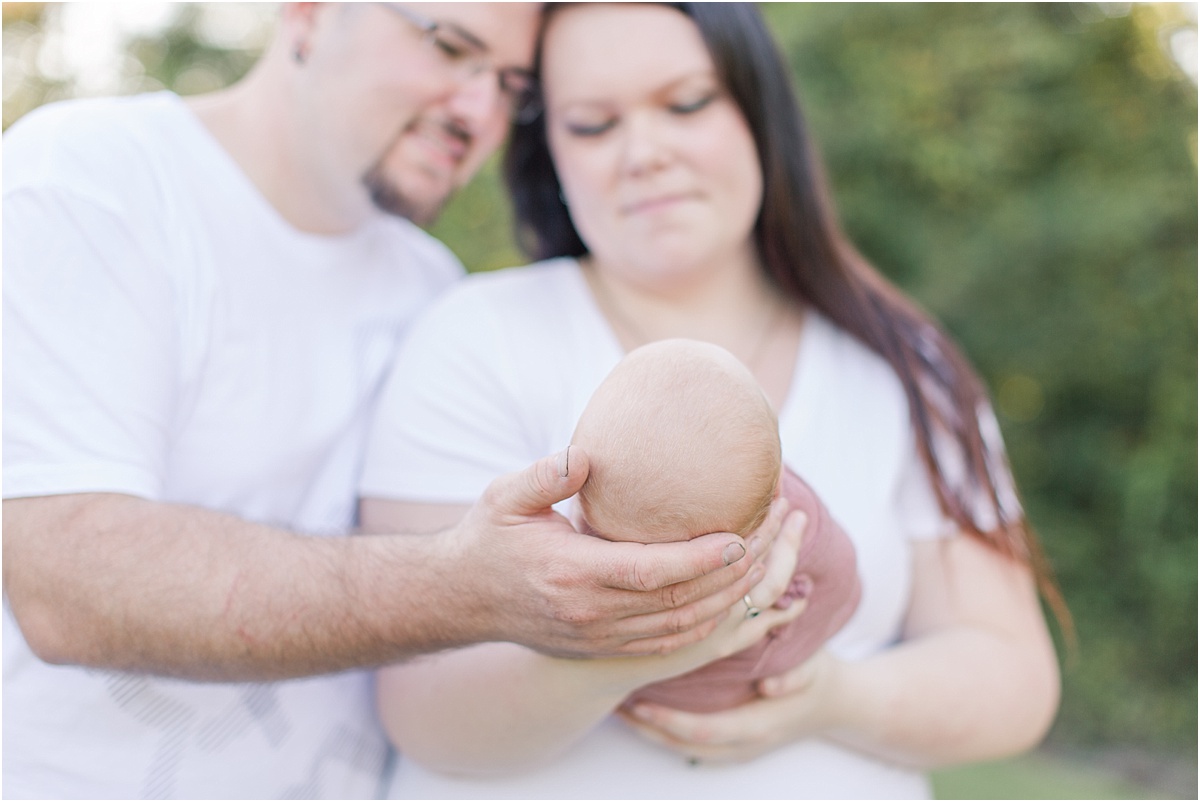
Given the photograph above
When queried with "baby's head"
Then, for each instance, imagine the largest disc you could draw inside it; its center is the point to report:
(681, 442)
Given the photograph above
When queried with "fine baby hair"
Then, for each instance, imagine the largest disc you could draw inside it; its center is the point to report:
(681, 442)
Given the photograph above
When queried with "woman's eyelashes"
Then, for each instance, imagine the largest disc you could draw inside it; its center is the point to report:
(693, 106)
(590, 128)
(586, 129)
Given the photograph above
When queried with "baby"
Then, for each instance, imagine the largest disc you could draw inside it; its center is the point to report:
(683, 442)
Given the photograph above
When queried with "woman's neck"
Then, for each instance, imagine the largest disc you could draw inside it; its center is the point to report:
(716, 301)
(735, 307)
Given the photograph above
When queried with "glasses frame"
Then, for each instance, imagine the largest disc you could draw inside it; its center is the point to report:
(460, 49)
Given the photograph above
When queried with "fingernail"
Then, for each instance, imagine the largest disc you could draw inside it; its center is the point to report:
(564, 463)
(757, 573)
(640, 712)
(756, 545)
(732, 553)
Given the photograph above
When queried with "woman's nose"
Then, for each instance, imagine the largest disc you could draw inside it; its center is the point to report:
(646, 145)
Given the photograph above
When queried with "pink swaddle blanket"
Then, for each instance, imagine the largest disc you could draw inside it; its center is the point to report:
(826, 573)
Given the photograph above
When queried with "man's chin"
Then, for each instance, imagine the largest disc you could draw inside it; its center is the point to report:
(390, 199)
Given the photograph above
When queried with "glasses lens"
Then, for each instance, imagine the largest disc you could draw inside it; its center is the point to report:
(463, 55)
(458, 51)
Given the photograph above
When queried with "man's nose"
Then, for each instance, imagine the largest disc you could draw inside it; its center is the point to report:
(479, 100)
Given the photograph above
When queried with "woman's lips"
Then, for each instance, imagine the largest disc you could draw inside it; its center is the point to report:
(656, 203)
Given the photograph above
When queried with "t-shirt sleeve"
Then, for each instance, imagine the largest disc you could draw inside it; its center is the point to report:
(451, 417)
(88, 348)
(917, 499)
(917, 507)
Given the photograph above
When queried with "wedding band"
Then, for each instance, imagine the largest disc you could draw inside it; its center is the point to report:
(751, 610)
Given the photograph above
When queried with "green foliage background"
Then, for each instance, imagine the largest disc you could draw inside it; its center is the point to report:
(1028, 173)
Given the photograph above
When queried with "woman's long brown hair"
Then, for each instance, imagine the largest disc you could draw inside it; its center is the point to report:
(808, 257)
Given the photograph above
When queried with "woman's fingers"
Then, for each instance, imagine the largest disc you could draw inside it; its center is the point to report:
(800, 710)
(692, 752)
(723, 735)
(796, 680)
(763, 585)
(781, 561)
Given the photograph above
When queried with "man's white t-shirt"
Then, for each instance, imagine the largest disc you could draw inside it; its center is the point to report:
(496, 375)
(168, 335)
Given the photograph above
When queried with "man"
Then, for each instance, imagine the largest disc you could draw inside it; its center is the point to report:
(201, 298)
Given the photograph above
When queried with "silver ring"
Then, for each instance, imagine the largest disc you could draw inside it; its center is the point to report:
(751, 610)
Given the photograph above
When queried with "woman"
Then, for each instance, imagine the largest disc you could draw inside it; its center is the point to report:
(671, 192)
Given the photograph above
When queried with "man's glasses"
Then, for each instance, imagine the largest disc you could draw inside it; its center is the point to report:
(467, 57)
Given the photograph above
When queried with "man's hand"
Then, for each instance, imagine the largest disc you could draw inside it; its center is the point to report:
(540, 583)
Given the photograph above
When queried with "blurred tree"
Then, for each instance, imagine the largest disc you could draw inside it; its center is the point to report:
(1028, 172)
(54, 51)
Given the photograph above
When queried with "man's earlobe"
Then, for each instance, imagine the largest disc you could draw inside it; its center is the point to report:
(299, 20)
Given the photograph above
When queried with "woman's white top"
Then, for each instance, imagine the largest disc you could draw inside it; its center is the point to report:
(495, 375)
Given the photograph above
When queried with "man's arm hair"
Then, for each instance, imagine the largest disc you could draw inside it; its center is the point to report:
(114, 581)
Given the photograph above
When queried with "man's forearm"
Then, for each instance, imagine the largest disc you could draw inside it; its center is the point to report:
(118, 582)
(115, 581)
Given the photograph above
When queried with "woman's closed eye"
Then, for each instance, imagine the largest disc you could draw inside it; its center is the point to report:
(693, 106)
(589, 128)
(586, 125)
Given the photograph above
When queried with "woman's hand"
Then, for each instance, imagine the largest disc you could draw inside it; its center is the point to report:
(974, 677)
(736, 632)
(799, 704)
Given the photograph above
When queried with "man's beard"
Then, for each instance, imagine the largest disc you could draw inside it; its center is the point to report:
(391, 199)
